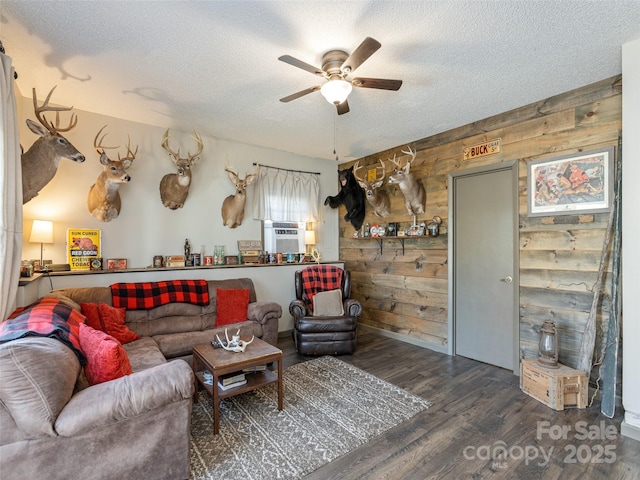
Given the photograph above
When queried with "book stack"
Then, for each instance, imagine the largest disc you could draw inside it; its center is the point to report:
(255, 369)
(232, 380)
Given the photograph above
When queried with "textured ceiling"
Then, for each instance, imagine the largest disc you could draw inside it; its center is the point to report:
(213, 65)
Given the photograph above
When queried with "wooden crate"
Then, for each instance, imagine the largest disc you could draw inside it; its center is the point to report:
(557, 388)
(250, 259)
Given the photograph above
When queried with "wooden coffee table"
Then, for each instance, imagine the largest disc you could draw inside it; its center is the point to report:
(220, 362)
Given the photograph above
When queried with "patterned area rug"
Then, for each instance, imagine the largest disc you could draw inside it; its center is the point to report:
(330, 408)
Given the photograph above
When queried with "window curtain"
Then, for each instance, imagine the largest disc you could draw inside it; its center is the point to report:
(11, 195)
(284, 195)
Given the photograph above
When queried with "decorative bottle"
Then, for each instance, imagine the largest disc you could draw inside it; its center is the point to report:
(187, 252)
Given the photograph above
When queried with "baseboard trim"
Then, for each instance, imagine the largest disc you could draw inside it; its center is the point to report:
(407, 339)
(630, 431)
(386, 333)
(285, 333)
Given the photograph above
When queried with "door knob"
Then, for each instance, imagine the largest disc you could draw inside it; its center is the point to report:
(507, 279)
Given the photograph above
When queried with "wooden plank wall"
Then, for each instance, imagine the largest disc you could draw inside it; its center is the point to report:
(559, 256)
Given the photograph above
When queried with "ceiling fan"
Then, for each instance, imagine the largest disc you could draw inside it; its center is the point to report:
(336, 66)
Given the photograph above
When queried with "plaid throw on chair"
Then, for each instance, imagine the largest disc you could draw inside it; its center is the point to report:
(48, 317)
(320, 278)
(145, 295)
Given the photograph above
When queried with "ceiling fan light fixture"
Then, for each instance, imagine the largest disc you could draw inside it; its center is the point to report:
(336, 91)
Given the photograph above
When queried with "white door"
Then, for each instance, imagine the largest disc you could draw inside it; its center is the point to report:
(485, 313)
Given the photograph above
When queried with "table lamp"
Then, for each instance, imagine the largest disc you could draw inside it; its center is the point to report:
(309, 239)
(41, 232)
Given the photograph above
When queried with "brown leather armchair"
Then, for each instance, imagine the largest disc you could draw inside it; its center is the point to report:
(323, 335)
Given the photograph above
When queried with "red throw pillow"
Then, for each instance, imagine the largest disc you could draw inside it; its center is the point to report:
(109, 320)
(232, 305)
(106, 359)
(113, 319)
(92, 312)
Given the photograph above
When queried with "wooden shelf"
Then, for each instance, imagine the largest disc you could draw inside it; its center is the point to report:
(402, 239)
(380, 239)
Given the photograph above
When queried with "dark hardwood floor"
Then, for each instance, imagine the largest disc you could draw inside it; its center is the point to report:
(478, 410)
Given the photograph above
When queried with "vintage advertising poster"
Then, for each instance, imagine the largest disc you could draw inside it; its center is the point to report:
(577, 183)
(83, 245)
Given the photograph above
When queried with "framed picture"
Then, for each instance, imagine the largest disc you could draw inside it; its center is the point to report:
(572, 184)
(116, 264)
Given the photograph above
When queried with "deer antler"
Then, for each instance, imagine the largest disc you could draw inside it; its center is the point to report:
(198, 139)
(46, 108)
(395, 162)
(384, 170)
(410, 152)
(228, 170)
(130, 155)
(176, 155)
(165, 145)
(97, 144)
(356, 168)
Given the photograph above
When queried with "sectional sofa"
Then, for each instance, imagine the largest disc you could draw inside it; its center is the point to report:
(54, 425)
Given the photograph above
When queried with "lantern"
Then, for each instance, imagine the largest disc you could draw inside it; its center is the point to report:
(548, 347)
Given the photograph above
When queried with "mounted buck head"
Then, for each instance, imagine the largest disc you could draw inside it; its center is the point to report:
(377, 197)
(104, 199)
(174, 187)
(40, 162)
(233, 205)
(415, 196)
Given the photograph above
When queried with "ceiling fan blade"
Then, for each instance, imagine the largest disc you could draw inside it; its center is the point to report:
(367, 48)
(343, 108)
(300, 64)
(299, 94)
(380, 83)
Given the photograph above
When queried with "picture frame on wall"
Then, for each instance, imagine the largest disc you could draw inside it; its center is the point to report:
(571, 184)
(116, 264)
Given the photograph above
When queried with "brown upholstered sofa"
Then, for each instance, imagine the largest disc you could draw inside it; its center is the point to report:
(136, 426)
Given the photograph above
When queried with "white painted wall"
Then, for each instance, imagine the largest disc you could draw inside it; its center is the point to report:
(145, 227)
(630, 238)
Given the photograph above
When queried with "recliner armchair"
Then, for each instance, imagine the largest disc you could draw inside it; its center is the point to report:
(322, 334)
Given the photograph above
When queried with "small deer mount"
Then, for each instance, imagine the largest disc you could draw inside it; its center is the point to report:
(40, 162)
(377, 196)
(233, 205)
(103, 200)
(415, 196)
(174, 187)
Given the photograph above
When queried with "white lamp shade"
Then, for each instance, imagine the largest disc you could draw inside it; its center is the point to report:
(336, 91)
(309, 237)
(41, 231)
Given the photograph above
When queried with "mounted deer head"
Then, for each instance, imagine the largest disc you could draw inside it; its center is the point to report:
(174, 187)
(104, 199)
(233, 205)
(377, 197)
(415, 196)
(40, 162)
